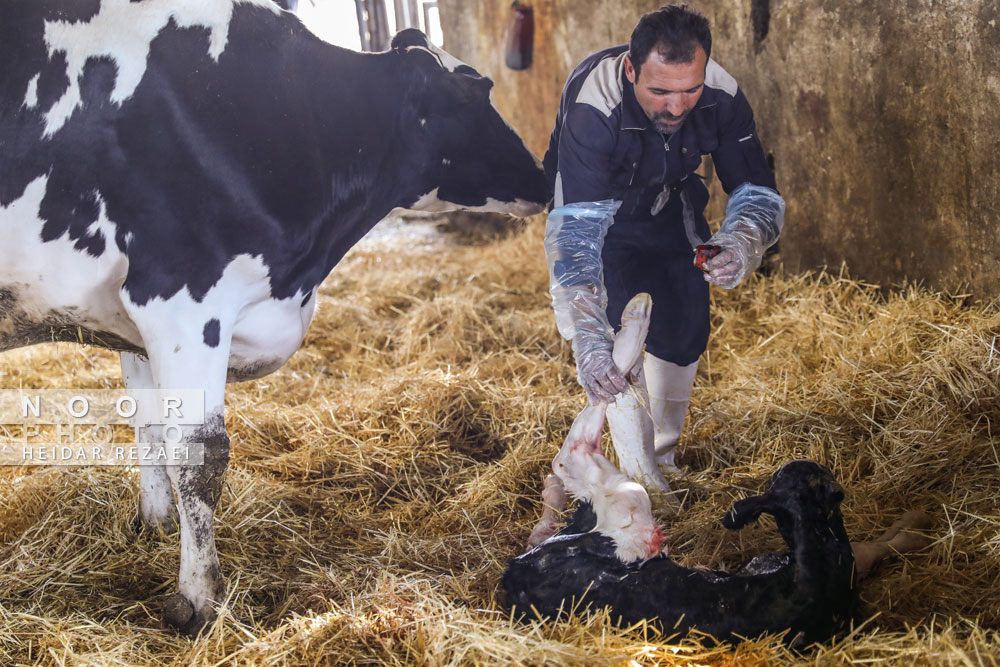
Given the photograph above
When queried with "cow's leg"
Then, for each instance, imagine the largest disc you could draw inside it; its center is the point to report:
(182, 358)
(198, 489)
(156, 506)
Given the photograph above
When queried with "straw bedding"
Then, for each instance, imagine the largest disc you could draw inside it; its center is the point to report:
(382, 478)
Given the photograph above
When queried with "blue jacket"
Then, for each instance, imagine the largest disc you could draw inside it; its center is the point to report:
(604, 147)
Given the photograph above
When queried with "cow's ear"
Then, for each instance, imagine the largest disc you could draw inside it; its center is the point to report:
(404, 39)
(474, 86)
(483, 84)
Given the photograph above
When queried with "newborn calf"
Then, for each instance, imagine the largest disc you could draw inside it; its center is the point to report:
(807, 590)
(612, 555)
(580, 468)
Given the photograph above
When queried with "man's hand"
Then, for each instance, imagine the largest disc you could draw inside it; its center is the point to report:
(596, 369)
(732, 264)
(754, 217)
(727, 269)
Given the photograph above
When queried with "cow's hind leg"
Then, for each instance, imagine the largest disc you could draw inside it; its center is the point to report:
(181, 357)
(156, 507)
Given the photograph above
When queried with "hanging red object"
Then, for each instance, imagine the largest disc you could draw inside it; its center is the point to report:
(520, 36)
(703, 253)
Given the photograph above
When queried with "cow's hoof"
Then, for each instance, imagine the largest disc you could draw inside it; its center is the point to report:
(179, 614)
(177, 611)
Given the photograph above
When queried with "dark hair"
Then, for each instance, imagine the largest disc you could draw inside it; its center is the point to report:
(674, 31)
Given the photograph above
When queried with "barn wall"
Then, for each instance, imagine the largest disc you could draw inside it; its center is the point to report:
(883, 118)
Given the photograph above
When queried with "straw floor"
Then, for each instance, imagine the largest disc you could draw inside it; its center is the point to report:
(380, 481)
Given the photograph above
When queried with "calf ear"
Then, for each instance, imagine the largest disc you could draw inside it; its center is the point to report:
(746, 511)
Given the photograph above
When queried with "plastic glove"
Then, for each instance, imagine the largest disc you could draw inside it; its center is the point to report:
(738, 259)
(596, 370)
(753, 222)
(574, 238)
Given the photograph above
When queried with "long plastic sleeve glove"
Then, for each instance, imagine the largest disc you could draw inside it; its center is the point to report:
(574, 238)
(754, 217)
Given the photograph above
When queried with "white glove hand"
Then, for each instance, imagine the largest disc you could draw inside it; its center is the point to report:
(595, 368)
(740, 256)
(754, 217)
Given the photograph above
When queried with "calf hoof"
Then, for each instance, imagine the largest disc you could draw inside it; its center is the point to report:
(910, 521)
(906, 533)
(179, 614)
(543, 531)
(904, 536)
(670, 470)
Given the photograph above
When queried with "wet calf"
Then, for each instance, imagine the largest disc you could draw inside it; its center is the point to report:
(807, 590)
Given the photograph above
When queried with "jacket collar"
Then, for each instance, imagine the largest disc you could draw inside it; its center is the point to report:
(633, 117)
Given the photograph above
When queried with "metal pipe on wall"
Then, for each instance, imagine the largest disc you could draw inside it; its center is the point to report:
(359, 6)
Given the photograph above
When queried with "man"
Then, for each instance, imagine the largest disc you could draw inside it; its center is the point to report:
(633, 124)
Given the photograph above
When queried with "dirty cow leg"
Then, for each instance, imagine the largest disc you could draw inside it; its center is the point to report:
(180, 357)
(198, 489)
(156, 507)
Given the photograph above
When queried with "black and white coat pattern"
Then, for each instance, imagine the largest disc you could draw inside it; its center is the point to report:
(807, 590)
(178, 176)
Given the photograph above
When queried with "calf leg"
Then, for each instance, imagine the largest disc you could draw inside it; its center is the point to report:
(632, 435)
(156, 507)
(554, 499)
(903, 536)
(628, 418)
(622, 506)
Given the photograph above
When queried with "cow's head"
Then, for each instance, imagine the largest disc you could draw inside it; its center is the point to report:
(469, 157)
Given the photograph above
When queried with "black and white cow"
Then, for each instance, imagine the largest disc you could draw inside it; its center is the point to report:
(178, 176)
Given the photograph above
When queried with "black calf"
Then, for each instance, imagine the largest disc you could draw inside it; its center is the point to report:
(807, 590)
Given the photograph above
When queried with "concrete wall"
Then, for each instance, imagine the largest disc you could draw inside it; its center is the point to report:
(883, 118)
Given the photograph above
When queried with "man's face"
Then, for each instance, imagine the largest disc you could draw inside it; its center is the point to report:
(668, 91)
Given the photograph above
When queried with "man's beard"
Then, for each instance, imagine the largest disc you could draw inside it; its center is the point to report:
(660, 121)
